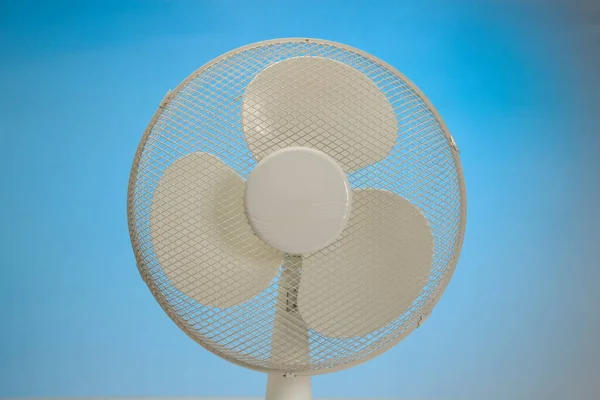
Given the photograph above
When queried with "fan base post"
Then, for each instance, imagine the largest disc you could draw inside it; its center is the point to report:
(288, 387)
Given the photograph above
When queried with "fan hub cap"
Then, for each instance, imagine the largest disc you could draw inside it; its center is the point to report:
(298, 200)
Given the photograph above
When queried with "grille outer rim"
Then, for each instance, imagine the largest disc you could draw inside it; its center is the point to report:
(447, 274)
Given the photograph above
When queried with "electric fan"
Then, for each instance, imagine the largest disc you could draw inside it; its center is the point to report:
(297, 207)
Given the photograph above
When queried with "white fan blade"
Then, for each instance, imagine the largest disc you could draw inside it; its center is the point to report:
(374, 271)
(319, 103)
(201, 237)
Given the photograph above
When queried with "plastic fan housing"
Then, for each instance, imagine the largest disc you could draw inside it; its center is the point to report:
(299, 303)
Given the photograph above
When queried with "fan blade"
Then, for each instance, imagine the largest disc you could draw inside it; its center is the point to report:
(319, 103)
(374, 271)
(201, 237)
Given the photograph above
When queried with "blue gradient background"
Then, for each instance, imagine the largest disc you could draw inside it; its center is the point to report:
(79, 81)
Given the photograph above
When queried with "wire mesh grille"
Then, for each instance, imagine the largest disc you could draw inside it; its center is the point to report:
(204, 114)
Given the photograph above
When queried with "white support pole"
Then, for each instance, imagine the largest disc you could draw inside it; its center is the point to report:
(288, 387)
(290, 337)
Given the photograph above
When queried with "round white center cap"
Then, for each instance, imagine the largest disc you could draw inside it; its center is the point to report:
(298, 200)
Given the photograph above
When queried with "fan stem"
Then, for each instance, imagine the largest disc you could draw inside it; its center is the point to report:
(288, 387)
(290, 337)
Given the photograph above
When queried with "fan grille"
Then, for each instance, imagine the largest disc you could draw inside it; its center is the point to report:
(204, 114)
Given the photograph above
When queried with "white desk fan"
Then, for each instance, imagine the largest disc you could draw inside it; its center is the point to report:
(297, 207)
